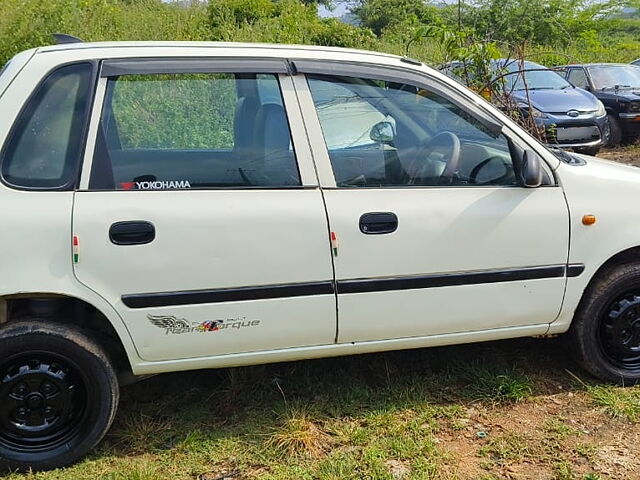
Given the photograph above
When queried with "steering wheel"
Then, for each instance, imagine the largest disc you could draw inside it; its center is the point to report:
(446, 144)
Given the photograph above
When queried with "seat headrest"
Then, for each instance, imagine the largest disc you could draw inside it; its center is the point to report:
(271, 133)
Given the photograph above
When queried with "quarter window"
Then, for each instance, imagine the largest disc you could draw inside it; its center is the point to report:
(382, 134)
(169, 131)
(44, 149)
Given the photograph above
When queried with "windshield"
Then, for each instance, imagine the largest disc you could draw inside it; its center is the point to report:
(535, 77)
(615, 76)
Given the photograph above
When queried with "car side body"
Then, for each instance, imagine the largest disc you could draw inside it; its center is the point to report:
(176, 206)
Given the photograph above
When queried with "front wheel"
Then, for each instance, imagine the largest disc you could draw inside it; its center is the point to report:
(615, 131)
(606, 329)
(58, 396)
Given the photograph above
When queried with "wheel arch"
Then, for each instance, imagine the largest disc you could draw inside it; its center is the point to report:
(579, 291)
(97, 320)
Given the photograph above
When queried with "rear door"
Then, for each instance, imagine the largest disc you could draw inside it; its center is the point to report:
(434, 233)
(200, 218)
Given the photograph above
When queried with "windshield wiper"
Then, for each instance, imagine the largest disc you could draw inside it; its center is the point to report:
(617, 87)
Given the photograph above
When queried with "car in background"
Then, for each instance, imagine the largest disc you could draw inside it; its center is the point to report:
(571, 117)
(636, 62)
(618, 87)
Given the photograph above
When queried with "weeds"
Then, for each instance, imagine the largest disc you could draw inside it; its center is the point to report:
(622, 403)
(484, 383)
(298, 435)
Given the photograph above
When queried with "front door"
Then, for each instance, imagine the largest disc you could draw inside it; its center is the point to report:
(434, 233)
(201, 220)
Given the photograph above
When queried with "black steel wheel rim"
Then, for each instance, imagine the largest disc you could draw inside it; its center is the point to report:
(620, 331)
(44, 402)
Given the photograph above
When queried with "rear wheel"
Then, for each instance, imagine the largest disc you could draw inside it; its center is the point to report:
(58, 396)
(606, 329)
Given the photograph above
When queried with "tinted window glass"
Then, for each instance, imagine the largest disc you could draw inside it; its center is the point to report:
(615, 76)
(4, 69)
(44, 148)
(578, 77)
(387, 134)
(194, 131)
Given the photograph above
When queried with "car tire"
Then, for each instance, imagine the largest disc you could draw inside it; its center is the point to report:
(606, 328)
(58, 395)
(593, 151)
(615, 131)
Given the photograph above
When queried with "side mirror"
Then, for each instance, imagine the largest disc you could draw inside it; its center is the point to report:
(383, 132)
(531, 169)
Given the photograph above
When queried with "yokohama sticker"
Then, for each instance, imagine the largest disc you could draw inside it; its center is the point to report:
(155, 185)
(173, 325)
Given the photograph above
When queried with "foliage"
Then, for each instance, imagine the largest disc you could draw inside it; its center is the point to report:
(555, 31)
(542, 22)
(30, 23)
(379, 15)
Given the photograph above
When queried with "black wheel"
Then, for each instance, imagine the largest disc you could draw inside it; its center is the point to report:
(593, 151)
(606, 328)
(58, 396)
(615, 131)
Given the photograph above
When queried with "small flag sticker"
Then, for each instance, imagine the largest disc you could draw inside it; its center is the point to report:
(334, 244)
(76, 249)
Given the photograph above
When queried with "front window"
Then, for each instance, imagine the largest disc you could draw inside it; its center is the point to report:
(578, 77)
(613, 77)
(382, 134)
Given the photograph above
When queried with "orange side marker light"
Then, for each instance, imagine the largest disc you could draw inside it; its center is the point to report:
(588, 219)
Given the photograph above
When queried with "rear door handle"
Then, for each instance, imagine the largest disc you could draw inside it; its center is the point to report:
(136, 232)
(377, 223)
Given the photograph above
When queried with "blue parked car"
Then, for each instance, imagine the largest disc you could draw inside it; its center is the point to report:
(572, 117)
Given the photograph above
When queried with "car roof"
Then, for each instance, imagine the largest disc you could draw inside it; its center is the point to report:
(98, 46)
(603, 64)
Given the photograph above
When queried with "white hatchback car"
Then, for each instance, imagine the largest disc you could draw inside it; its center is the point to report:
(174, 206)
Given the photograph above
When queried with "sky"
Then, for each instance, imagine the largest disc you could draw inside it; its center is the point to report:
(336, 12)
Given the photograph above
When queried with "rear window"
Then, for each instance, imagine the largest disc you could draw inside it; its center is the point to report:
(183, 131)
(44, 147)
(4, 69)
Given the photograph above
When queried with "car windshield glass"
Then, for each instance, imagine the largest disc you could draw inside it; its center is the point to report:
(534, 77)
(615, 76)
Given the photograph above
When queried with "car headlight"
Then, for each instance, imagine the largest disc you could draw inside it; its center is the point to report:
(634, 106)
(601, 110)
(534, 112)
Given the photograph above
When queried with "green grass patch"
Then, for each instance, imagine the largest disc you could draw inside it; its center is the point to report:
(622, 403)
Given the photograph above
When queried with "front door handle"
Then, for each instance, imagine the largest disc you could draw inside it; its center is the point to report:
(136, 232)
(377, 223)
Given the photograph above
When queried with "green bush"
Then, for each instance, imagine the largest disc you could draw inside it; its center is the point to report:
(556, 31)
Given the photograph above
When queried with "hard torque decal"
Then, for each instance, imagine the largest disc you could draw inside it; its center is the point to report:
(176, 326)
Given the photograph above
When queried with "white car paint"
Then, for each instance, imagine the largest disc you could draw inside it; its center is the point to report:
(461, 230)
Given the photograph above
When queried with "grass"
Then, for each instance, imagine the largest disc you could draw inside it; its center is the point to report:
(619, 403)
(399, 415)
